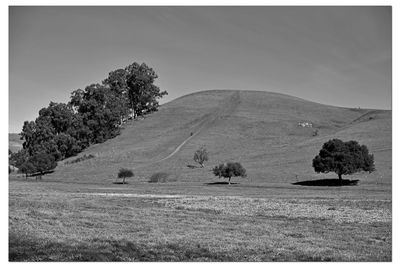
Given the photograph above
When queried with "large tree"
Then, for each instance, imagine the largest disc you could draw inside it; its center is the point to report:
(343, 158)
(59, 115)
(136, 81)
(40, 162)
(18, 158)
(38, 137)
(100, 111)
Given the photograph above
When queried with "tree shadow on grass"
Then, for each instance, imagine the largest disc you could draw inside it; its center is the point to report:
(327, 182)
(220, 183)
(192, 166)
(30, 248)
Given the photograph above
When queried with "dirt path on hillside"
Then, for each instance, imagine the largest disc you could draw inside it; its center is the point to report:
(369, 115)
(225, 108)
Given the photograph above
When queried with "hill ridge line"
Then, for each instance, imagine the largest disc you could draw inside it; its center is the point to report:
(228, 106)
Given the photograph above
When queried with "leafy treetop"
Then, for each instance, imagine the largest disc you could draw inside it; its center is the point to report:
(343, 158)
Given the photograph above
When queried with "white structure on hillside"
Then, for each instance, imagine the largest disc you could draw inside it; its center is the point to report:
(305, 124)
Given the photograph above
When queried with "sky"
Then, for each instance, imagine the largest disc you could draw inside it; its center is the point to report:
(339, 56)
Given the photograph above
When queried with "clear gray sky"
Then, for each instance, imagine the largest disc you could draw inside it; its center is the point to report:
(332, 55)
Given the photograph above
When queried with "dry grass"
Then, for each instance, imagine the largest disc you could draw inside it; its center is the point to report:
(52, 225)
(334, 210)
(77, 214)
(258, 129)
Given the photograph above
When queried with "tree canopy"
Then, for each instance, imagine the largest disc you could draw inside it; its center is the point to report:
(136, 82)
(40, 162)
(343, 158)
(229, 170)
(92, 115)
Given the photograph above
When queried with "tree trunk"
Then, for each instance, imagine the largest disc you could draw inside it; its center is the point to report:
(229, 180)
(340, 178)
(133, 112)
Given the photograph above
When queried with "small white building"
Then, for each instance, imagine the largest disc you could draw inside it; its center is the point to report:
(305, 124)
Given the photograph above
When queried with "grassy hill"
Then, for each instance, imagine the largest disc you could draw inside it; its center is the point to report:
(78, 214)
(259, 129)
(14, 142)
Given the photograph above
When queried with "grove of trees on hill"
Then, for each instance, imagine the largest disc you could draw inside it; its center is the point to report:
(343, 158)
(92, 116)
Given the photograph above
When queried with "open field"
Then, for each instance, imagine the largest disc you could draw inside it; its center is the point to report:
(78, 214)
(130, 224)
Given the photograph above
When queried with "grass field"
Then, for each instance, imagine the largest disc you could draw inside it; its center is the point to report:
(130, 224)
(78, 214)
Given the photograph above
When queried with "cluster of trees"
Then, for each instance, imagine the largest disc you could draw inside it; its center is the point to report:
(92, 115)
(225, 170)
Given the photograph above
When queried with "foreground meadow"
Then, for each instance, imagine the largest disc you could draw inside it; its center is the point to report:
(68, 222)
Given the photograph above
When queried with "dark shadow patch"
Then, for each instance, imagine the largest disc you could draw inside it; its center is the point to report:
(39, 173)
(192, 166)
(120, 183)
(220, 183)
(327, 182)
(30, 248)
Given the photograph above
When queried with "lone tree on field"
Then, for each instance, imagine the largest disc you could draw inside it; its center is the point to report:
(125, 173)
(200, 156)
(229, 170)
(343, 158)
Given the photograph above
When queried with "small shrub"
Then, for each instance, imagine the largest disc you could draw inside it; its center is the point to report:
(200, 156)
(159, 177)
(125, 173)
(315, 132)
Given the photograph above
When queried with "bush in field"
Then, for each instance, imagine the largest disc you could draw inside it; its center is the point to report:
(159, 177)
(343, 158)
(229, 170)
(125, 173)
(200, 156)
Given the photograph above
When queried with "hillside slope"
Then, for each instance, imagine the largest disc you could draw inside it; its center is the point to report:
(259, 129)
(14, 142)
